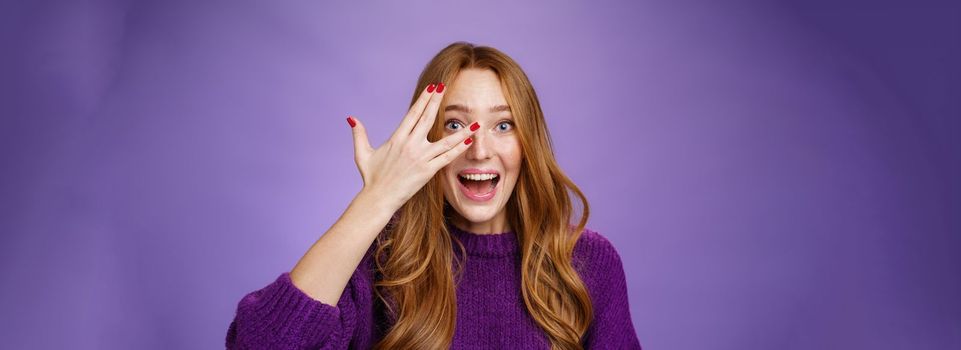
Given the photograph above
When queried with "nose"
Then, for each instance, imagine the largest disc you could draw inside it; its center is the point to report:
(480, 148)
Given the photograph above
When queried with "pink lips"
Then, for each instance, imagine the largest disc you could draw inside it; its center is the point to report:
(478, 197)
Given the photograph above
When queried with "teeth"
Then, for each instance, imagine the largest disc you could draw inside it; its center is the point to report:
(479, 177)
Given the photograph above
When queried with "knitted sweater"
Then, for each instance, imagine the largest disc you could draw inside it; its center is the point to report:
(490, 309)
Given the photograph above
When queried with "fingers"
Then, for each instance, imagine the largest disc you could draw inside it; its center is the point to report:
(410, 119)
(362, 146)
(427, 118)
(448, 148)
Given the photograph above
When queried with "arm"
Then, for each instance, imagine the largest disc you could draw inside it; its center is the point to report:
(297, 310)
(318, 311)
(324, 270)
(280, 316)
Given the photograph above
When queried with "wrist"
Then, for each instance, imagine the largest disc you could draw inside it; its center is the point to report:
(376, 204)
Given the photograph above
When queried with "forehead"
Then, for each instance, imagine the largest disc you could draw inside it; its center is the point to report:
(474, 91)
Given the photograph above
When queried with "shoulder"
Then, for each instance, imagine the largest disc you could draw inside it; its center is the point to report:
(595, 250)
(598, 263)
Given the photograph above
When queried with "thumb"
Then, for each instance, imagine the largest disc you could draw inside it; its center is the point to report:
(361, 146)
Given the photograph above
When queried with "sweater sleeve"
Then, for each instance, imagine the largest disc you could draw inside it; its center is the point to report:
(612, 327)
(281, 316)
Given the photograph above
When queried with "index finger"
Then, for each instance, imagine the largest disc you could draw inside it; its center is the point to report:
(407, 124)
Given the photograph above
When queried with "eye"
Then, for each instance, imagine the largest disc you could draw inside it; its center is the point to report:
(503, 126)
(452, 121)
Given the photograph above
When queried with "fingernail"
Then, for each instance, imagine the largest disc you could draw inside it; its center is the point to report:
(440, 87)
(430, 88)
(468, 141)
(474, 126)
(351, 122)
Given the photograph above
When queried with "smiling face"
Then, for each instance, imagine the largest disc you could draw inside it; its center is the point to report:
(493, 160)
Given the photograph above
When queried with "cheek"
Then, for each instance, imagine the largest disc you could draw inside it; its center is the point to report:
(512, 156)
(448, 187)
(451, 184)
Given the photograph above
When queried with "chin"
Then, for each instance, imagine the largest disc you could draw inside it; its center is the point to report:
(475, 214)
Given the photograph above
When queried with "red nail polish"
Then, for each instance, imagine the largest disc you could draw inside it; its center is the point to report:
(351, 122)
(430, 88)
(440, 87)
(474, 126)
(468, 141)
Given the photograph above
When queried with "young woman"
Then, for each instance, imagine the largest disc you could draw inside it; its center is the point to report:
(462, 231)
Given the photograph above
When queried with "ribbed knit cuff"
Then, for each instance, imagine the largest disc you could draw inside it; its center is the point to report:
(282, 314)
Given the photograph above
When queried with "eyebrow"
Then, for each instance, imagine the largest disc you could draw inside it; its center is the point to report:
(465, 109)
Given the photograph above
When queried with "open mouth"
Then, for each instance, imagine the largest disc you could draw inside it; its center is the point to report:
(479, 184)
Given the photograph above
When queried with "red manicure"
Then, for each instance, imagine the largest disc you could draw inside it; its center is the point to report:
(351, 122)
(474, 126)
(430, 88)
(440, 87)
(468, 141)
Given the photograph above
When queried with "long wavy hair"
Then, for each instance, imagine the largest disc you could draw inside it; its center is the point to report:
(414, 255)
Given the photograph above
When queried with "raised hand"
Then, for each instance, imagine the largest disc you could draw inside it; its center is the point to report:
(400, 167)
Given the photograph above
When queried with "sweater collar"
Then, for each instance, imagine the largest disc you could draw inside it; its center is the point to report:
(489, 245)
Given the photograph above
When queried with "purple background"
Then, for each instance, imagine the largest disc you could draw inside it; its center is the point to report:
(775, 175)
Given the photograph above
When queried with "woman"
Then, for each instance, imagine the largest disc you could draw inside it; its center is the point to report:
(462, 232)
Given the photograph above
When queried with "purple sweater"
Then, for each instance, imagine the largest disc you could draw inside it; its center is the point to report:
(490, 310)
